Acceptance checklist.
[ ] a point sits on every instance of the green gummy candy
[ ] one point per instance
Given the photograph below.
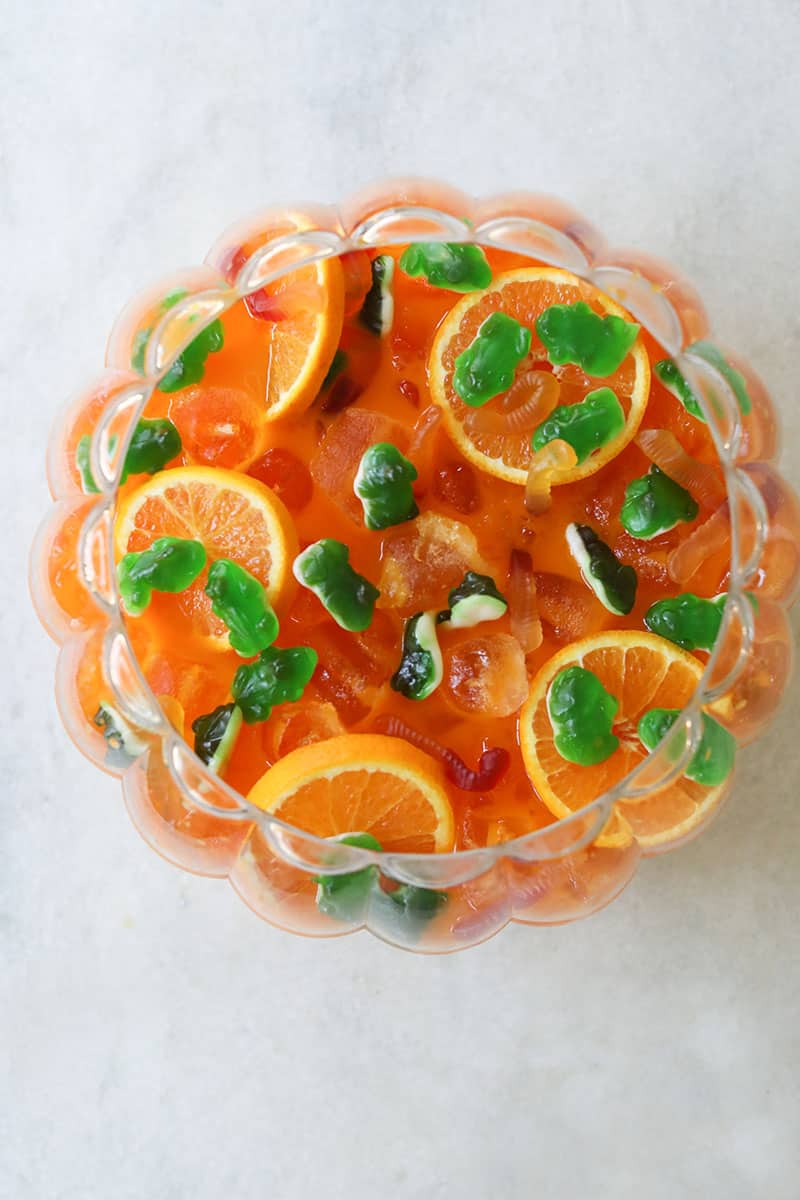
(477, 598)
(421, 669)
(84, 465)
(377, 311)
(345, 897)
(674, 381)
(456, 266)
(486, 368)
(668, 372)
(582, 715)
(405, 911)
(713, 759)
(689, 621)
(189, 367)
(154, 443)
(654, 504)
(276, 677)
(715, 358)
(383, 484)
(593, 422)
(574, 333)
(338, 364)
(614, 583)
(169, 565)
(324, 568)
(215, 735)
(417, 902)
(240, 600)
(123, 743)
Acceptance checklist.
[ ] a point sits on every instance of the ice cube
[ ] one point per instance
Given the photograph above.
(487, 675)
(568, 609)
(294, 725)
(648, 558)
(456, 484)
(423, 559)
(335, 463)
(353, 666)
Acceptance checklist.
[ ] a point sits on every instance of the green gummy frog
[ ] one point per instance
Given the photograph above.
(377, 311)
(689, 621)
(477, 598)
(123, 744)
(421, 668)
(154, 443)
(383, 484)
(612, 582)
(324, 568)
(713, 759)
(582, 714)
(404, 912)
(715, 358)
(171, 564)
(215, 735)
(654, 504)
(189, 367)
(240, 600)
(668, 372)
(338, 364)
(456, 266)
(348, 897)
(83, 461)
(345, 897)
(276, 677)
(486, 368)
(593, 422)
(574, 333)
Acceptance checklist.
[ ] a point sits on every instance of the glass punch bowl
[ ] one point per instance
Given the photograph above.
(187, 813)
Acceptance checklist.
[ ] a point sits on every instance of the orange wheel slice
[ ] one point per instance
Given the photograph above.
(524, 295)
(303, 341)
(642, 671)
(234, 517)
(361, 783)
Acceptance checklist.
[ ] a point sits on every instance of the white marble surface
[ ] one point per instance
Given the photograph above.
(157, 1040)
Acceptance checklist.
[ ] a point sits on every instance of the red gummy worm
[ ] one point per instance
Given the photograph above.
(492, 764)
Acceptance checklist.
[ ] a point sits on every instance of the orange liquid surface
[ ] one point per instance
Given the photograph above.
(350, 688)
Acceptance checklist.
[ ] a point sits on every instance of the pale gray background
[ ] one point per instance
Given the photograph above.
(158, 1041)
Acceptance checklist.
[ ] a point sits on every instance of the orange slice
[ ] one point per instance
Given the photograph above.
(361, 783)
(525, 294)
(643, 671)
(234, 517)
(303, 341)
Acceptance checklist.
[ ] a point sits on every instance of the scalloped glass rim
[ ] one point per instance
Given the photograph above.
(394, 224)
